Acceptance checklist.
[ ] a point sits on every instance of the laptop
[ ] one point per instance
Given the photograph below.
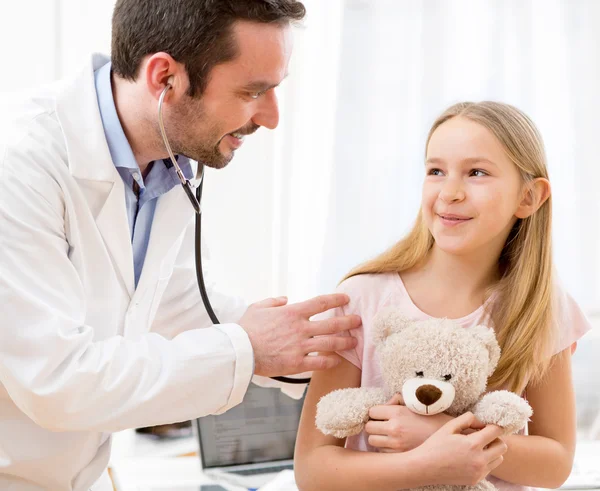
(252, 442)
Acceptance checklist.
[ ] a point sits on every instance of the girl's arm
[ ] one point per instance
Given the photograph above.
(544, 458)
(448, 457)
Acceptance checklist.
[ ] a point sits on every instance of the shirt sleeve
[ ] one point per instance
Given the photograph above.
(572, 323)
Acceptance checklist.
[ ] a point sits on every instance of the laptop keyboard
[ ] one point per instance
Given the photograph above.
(264, 470)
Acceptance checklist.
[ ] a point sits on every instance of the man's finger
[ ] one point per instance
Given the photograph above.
(271, 302)
(322, 303)
(319, 362)
(329, 344)
(335, 325)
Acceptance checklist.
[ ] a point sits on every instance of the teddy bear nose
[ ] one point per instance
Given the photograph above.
(428, 394)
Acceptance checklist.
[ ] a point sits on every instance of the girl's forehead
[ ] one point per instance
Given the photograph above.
(461, 139)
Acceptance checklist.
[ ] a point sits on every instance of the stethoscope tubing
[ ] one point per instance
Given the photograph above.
(195, 201)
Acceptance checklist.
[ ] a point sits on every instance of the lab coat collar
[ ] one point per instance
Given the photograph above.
(78, 114)
(91, 164)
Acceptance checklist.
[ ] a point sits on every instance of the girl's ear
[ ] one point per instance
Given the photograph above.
(535, 194)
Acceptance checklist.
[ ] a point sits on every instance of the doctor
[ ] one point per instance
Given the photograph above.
(102, 326)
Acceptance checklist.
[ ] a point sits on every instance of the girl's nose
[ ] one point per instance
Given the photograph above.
(452, 191)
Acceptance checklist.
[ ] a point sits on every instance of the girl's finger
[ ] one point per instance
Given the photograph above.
(396, 400)
(376, 428)
(384, 412)
(379, 441)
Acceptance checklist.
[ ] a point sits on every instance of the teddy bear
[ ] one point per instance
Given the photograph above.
(437, 366)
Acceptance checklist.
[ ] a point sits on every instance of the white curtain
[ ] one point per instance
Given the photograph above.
(339, 180)
(44, 40)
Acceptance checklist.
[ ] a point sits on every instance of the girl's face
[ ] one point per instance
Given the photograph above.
(472, 190)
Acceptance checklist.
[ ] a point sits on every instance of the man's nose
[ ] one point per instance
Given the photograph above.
(268, 111)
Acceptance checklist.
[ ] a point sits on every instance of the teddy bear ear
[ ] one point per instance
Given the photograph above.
(388, 321)
(488, 338)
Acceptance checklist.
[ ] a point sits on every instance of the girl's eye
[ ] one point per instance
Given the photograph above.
(435, 172)
(478, 173)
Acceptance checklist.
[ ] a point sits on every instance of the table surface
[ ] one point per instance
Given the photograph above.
(139, 461)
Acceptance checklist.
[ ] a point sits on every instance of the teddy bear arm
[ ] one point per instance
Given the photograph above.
(503, 408)
(344, 412)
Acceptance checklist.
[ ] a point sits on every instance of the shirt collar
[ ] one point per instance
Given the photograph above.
(120, 150)
(118, 145)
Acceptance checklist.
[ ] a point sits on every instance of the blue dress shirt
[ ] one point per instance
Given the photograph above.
(161, 178)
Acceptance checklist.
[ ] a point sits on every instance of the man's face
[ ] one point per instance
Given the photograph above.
(239, 98)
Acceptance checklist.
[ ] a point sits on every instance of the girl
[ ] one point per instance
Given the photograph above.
(480, 253)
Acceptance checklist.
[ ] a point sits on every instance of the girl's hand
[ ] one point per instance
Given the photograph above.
(454, 457)
(395, 428)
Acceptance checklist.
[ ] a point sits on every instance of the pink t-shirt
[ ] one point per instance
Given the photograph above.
(371, 292)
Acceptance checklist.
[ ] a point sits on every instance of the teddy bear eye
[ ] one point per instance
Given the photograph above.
(447, 377)
(419, 374)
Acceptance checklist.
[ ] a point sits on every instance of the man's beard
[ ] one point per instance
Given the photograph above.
(209, 156)
(204, 149)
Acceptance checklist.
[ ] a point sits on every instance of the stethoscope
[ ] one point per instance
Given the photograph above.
(195, 200)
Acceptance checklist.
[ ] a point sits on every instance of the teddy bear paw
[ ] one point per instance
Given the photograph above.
(505, 409)
(344, 412)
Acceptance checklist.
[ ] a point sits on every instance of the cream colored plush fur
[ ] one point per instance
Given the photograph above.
(437, 366)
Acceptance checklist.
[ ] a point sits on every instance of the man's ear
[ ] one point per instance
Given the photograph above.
(535, 194)
(161, 69)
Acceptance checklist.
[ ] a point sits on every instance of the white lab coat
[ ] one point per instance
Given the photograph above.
(82, 352)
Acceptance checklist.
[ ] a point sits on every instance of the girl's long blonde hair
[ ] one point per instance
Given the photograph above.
(523, 304)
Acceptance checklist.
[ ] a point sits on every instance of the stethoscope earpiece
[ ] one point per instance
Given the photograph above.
(195, 200)
(184, 182)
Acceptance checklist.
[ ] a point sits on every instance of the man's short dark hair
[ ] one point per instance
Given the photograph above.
(197, 33)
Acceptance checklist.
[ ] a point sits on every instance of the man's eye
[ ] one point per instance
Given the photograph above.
(256, 95)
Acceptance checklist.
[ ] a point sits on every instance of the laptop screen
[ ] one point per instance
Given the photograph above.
(261, 429)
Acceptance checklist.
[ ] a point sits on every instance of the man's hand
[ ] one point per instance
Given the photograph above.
(395, 428)
(282, 335)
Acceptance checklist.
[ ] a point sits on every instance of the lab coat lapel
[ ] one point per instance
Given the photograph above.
(91, 165)
(113, 224)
